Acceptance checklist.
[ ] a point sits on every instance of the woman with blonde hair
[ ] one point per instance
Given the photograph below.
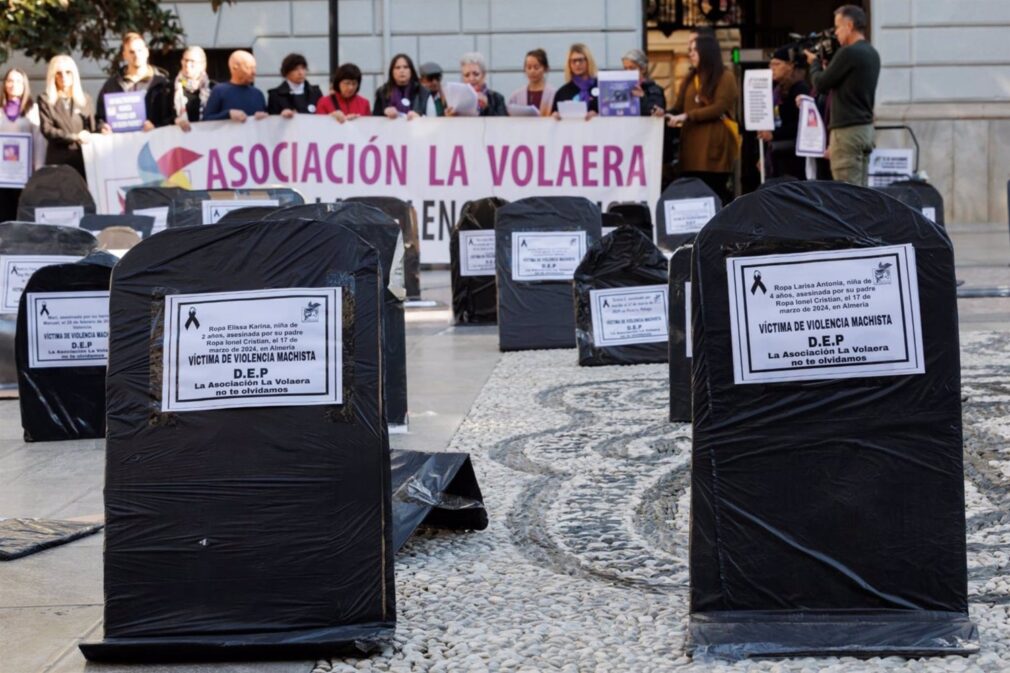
(66, 115)
(580, 80)
(21, 115)
(139, 75)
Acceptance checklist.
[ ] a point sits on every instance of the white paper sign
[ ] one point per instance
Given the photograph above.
(461, 98)
(17, 269)
(68, 216)
(688, 332)
(758, 107)
(890, 165)
(68, 329)
(629, 315)
(476, 253)
(215, 209)
(572, 109)
(160, 215)
(811, 137)
(547, 255)
(688, 216)
(929, 212)
(16, 161)
(258, 348)
(825, 315)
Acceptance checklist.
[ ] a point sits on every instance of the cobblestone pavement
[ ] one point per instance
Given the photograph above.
(584, 565)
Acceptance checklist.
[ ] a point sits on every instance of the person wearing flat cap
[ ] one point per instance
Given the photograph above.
(431, 79)
(788, 65)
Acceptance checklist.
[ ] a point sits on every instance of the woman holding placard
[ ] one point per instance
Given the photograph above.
(23, 145)
(66, 116)
(706, 109)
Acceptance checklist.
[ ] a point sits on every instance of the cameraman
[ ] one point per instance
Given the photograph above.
(851, 79)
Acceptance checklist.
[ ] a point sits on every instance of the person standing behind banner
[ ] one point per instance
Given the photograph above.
(789, 74)
(580, 81)
(20, 115)
(706, 109)
(66, 115)
(344, 103)
(402, 94)
(139, 75)
(489, 103)
(537, 92)
(851, 78)
(192, 88)
(431, 79)
(294, 94)
(237, 98)
(650, 93)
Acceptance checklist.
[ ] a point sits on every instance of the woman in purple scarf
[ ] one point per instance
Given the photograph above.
(402, 95)
(20, 115)
(580, 80)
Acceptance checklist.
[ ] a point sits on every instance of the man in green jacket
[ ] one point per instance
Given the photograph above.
(851, 79)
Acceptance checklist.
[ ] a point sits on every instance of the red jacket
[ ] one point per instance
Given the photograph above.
(357, 105)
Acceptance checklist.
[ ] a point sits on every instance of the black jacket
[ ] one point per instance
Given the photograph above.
(280, 98)
(59, 125)
(654, 97)
(569, 91)
(495, 105)
(418, 102)
(158, 100)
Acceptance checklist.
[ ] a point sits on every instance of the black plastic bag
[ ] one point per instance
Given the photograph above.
(185, 207)
(693, 202)
(609, 222)
(621, 301)
(472, 242)
(635, 215)
(61, 402)
(54, 187)
(535, 307)
(827, 514)
(250, 214)
(245, 533)
(680, 334)
(930, 199)
(403, 213)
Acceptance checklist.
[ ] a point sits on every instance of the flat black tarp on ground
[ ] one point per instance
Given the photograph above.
(245, 533)
(28, 239)
(474, 294)
(185, 206)
(54, 187)
(827, 515)
(672, 235)
(403, 213)
(627, 259)
(62, 402)
(23, 537)
(680, 333)
(539, 313)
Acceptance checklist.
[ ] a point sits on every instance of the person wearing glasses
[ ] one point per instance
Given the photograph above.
(580, 80)
(192, 88)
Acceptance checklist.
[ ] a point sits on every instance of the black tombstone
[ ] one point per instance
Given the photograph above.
(142, 224)
(54, 187)
(403, 213)
(827, 513)
(26, 247)
(621, 301)
(184, 207)
(59, 401)
(471, 255)
(681, 311)
(635, 214)
(929, 196)
(539, 242)
(246, 533)
(681, 212)
(250, 214)
(609, 222)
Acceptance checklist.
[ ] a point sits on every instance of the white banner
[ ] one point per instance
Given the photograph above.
(436, 164)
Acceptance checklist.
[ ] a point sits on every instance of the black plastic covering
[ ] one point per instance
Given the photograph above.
(777, 180)
(250, 214)
(404, 214)
(474, 298)
(635, 215)
(680, 331)
(609, 222)
(827, 516)
(624, 258)
(538, 314)
(28, 238)
(62, 402)
(435, 490)
(185, 206)
(21, 537)
(54, 186)
(245, 533)
(928, 195)
(382, 233)
(142, 224)
(683, 188)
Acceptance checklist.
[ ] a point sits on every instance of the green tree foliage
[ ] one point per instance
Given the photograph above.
(44, 28)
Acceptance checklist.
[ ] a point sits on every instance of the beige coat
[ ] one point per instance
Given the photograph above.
(705, 142)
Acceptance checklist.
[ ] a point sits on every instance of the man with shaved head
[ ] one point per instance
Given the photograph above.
(237, 98)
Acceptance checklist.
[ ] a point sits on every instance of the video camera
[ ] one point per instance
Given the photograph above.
(823, 43)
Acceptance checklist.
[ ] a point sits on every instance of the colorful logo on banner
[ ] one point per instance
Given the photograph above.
(167, 170)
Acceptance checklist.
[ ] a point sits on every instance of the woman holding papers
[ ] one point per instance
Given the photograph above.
(580, 80)
(706, 108)
(66, 115)
(139, 75)
(489, 103)
(402, 95)
(537, 93)
(22, 140)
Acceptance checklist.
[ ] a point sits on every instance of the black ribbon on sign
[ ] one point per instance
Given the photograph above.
(45, 309)
(192, 319)
(758, 284)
